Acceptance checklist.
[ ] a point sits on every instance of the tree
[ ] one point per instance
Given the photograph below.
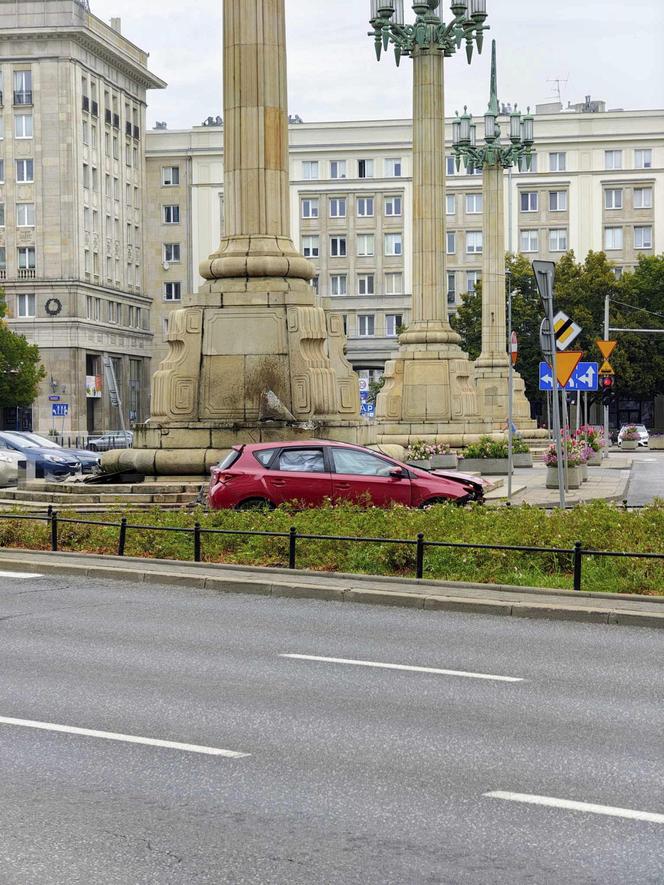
(21, 370)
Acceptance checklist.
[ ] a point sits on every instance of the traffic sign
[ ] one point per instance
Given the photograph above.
(606, 348)
(606, 368)
(54, 399)
(566, 362)
(565, 329)
(514, 348)
(60, 410)
(583, 378)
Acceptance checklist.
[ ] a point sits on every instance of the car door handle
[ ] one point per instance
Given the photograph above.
(342, 485)
(278, 482)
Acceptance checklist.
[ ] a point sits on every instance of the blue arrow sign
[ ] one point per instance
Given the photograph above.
(60, 410)
(584, 377)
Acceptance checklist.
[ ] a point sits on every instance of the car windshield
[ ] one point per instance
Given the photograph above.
(41, 441)
(20, 441)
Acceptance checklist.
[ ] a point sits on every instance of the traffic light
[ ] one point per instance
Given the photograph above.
(608, 394)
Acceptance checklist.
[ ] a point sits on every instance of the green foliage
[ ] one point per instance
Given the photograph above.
(599, 526)
(487, 448)
(375, 388)
(20, 366)
(519, 446)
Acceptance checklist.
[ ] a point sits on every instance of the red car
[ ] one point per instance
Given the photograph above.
(268, 474)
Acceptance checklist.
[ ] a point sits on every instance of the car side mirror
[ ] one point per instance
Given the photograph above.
(397, 473)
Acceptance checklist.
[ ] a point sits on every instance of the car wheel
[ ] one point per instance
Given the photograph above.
(255, 504)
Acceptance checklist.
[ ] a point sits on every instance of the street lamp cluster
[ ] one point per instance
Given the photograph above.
(428, 31)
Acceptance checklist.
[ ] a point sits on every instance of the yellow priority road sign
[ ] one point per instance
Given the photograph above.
(565, 329)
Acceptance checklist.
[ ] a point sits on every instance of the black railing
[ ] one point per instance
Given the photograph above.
(293, 536)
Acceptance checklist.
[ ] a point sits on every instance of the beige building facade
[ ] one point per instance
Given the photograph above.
(597, 183)
(72, 204)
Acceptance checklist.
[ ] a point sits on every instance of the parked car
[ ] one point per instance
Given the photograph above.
(268, 474)
(113, 439)
(89, 460)
(10, 464)
(47, 463)
(640, 429)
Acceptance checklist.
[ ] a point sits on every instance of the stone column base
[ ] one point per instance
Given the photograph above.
(492, 383)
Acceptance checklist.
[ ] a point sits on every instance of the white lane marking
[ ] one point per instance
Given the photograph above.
(126, 738)
(588, 807)
(404, 667)
(22, 576)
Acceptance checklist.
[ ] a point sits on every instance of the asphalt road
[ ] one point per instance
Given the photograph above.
(647, 478)
(352, 773)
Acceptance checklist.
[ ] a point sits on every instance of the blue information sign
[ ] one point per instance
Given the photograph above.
(60, 410)
(584, 377)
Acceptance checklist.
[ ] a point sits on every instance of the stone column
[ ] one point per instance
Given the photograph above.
(494, 327)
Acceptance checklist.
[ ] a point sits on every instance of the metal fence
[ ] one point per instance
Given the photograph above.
(421, 545)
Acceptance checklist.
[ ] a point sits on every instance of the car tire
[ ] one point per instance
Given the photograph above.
(255, 504)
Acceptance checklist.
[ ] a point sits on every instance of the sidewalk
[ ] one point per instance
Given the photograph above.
(518, 602)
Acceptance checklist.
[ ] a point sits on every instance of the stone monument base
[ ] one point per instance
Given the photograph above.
(192, 449)
(492, 385)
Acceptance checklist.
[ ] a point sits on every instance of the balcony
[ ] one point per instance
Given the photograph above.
(26, 273)
(22, 98)
(3, 273)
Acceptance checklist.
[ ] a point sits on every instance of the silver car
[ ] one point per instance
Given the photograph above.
(640, 429)
(9, 467)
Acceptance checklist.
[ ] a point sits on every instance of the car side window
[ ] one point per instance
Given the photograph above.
(302, 460)
(350, 461)
(264, 456)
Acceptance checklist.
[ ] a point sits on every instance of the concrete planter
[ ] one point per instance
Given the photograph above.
(656, 442)
(595, 459)
(573, 475)
(485, 466)
(629, 445)
(445, 462)
(523, 459)
(584, 472)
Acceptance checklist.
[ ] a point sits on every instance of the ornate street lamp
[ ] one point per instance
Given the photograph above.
(429, 381)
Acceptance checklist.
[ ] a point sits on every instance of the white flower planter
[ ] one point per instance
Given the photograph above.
(523, 459)
(595, 459)
(629, 445)
(656, 442)
(584, 472)
(573, 476)
(445, 462)
(485, 466)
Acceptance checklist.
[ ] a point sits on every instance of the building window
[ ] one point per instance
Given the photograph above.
(529, 201)
(643, 198)
(613, 198)
(338, 247)
(393, 323)
(337, 169)
(337, 207)
(450, 166)
(25, 305)
(25, 170)
(558, 201)
(472, 279)
(643, 237)
(613, 160)
(365, 207)
(529, 241)
(25, 214)
(393, 244)
(450, 238)
(643, 159)
(114, 312)
(365, 168)
(557, 161)
(311, 247)
(172, 252)
(365, 284)
(394, 284)
(310, 208)
(392, 168)
(315, 283)
(474, 242)
(450, 204)
(365, 245)
(617, 272)
(171, 214)
(170, 175)
(558, 240)
(26, 258)
(451, 287)
(523, 164)
(613, 238)
(474, 204)
(23, 126)
(2, 214)
(2, 171)
(393, 206)
(172, 291)
(366, 325)
(22, 87)
(310, 170)
(3, 258)
(338, 284)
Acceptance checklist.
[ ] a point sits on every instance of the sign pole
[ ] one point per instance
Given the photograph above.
(606, 408)
(510, 393)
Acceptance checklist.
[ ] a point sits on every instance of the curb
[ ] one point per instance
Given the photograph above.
(343, 588)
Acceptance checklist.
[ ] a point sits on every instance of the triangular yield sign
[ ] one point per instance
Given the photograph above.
(566, 362)
(606, 348)
(607, 368)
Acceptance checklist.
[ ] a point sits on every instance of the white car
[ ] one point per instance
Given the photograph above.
(640, 429)
(9, 465)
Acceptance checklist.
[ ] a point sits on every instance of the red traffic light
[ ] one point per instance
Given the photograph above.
(607, 382)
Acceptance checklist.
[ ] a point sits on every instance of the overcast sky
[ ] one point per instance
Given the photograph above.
(610, 49)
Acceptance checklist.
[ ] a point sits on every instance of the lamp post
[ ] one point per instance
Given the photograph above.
(430, 381)
(501, 391)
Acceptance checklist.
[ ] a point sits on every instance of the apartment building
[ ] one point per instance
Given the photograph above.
(597, 182)
(72, 202)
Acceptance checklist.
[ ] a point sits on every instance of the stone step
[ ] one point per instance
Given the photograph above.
(78, 488)
(66, 500)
